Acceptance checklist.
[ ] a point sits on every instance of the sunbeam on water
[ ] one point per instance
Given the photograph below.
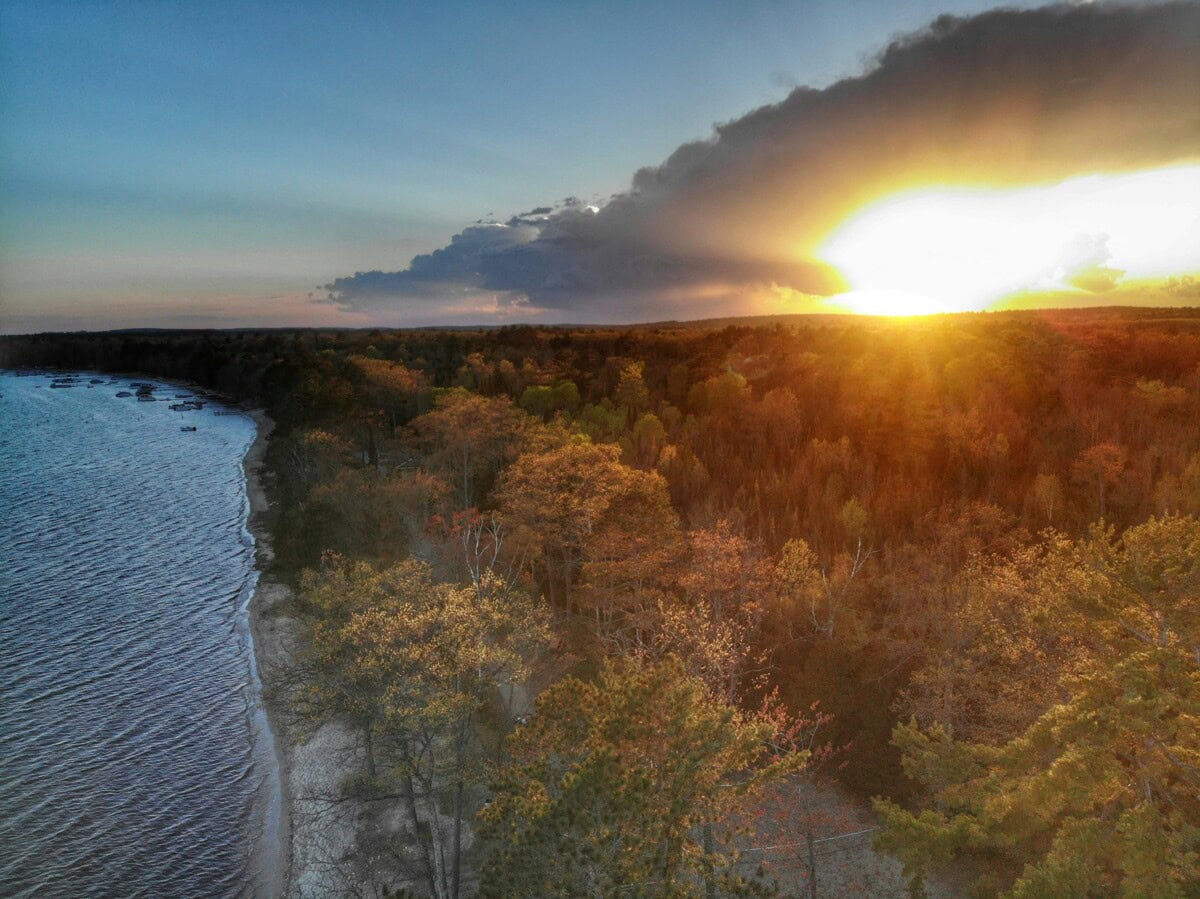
(134, 755)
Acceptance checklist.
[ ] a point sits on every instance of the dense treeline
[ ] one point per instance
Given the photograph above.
(898, 519)
(770, 427)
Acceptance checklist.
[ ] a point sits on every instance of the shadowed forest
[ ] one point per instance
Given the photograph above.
(951, 562)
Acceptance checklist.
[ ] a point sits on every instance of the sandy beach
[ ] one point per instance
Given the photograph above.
(316, 834)
(270, 649)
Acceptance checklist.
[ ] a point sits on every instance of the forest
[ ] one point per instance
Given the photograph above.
(951, 563)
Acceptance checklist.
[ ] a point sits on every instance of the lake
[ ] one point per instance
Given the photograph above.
(135, 757)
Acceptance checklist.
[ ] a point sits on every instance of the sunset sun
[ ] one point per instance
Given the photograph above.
(955, 249)
(466, 449)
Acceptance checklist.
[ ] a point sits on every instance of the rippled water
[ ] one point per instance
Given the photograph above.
(134, 754)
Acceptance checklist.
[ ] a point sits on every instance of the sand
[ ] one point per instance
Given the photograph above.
(269, 649)
(319, 833)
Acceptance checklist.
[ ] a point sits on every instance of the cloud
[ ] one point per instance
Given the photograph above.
(1183, 287)
(454, 269)
(1003, 98)
(1082, 264)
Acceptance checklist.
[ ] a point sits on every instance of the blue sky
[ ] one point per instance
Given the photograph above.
(209, 163)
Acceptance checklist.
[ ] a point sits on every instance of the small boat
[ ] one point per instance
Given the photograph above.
(124, 393)
(187, 427)
(145, 398)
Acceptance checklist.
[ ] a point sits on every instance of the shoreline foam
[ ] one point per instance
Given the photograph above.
(268, 653)
(316, 831)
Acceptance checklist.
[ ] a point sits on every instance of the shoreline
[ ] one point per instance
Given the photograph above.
(272, 642)
(270, 859)
(317, 831)
(269, 647)
(269, 651)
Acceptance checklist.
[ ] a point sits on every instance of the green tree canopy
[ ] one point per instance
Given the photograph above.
(614, 784)
(1100, 795)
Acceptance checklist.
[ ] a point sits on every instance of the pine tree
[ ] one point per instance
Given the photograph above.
(627, 783)
(1100, 795)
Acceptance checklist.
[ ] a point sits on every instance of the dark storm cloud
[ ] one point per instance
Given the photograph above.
(459, 265)
(1006, 97)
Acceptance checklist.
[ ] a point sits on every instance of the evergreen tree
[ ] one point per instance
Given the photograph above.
(1100, 795)
(628, 783)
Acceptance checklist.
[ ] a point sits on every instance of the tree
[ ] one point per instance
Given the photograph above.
(390, 386)
(335, 685)
(714, 624)
(1101, 793)
(472, 543)
(726, 574)
(626, 560)
(1047, 496)
(1099, 469)
(467, 438)
(631, 393)
(612, 783)
(456, 646)
(997, 663)
(413, 663)
(813, 601)
(678, 381)
(602, 422)
(554, 501)
(646, 440)
(542, 402)
(686, 474)
(723, 395)
(370, 513)
(310, 457)
(1180, 494)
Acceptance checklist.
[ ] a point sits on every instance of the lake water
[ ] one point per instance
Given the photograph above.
(135, 758)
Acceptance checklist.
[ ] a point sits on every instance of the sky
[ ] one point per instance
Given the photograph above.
(357, 164)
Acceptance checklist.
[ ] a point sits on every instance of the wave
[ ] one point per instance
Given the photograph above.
(130, 761)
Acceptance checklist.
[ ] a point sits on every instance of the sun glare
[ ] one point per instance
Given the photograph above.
(953, 250)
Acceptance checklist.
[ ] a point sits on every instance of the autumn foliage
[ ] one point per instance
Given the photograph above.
(971, 538)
